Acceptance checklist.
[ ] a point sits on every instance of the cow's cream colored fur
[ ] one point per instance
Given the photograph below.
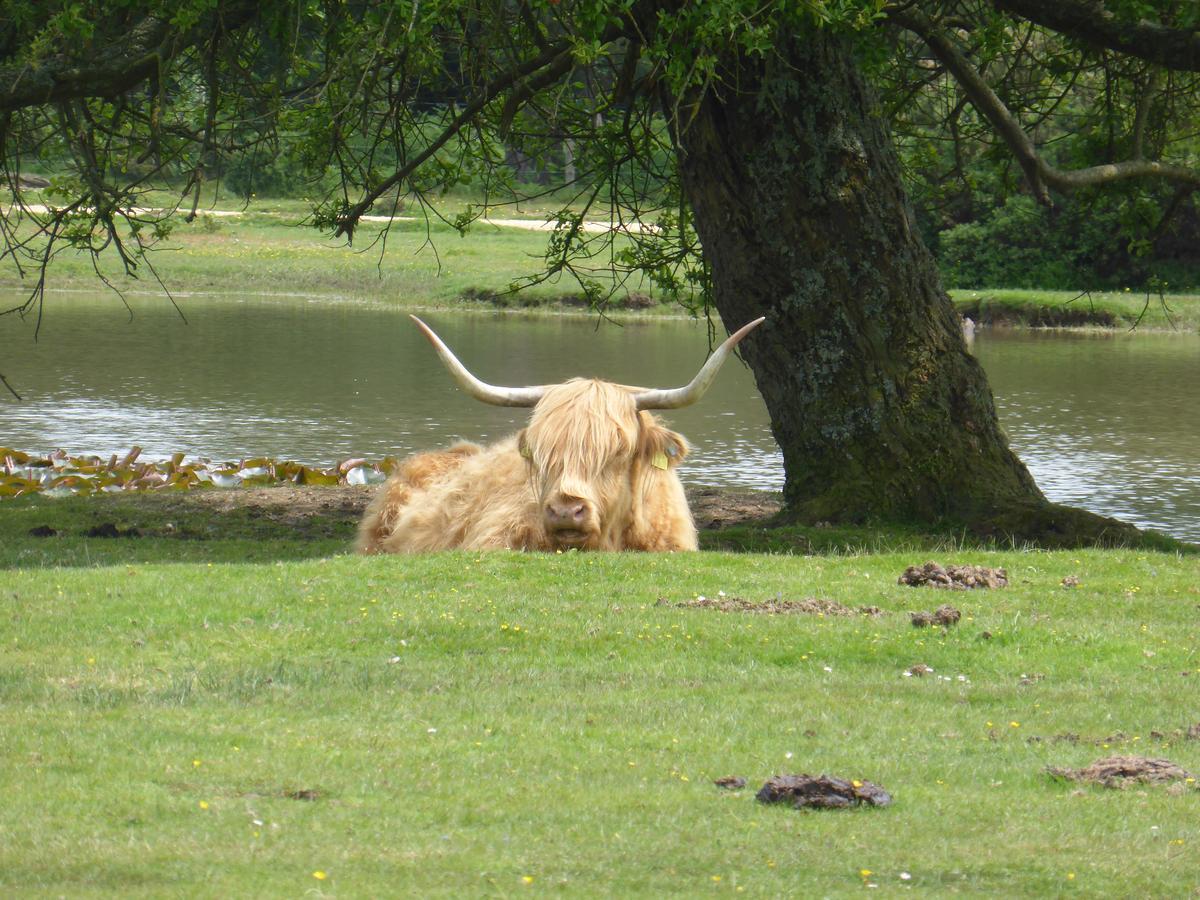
(585, 440)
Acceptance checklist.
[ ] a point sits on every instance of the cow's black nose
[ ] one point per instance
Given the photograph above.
(566, 512)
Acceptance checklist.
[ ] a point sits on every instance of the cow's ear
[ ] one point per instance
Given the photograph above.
(523, 445)
(661, 447)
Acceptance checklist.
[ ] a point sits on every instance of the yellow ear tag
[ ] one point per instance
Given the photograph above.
(525, 451)
(659, 460)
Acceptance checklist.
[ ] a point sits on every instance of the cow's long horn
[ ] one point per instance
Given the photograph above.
(488, 393)
(685, 396)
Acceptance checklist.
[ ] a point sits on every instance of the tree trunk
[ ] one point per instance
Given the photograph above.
(878, 407)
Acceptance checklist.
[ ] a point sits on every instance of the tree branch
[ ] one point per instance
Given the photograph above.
(111, 70)
(1038, 172)
(1093, 22)
(554, 61)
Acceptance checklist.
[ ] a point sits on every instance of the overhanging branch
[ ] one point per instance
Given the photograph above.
(1093, 22)
(1038, 172)
(524, 80)
(111, 70)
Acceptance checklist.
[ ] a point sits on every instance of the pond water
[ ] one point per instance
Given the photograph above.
(1107, 422)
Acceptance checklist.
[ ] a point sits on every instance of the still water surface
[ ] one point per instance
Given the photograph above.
(1106, 422)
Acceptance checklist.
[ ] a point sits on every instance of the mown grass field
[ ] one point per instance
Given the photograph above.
(266, 250)
(231, 705)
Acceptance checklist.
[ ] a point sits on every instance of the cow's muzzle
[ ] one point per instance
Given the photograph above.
(569, 521)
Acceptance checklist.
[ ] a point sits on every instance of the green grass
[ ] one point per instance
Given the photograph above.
(268, 251)
(226, 707)
(1118, 309)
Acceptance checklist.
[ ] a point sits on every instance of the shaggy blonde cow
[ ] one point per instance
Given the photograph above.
(593, 469)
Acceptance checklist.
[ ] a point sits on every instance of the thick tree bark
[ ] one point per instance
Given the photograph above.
(878, 407)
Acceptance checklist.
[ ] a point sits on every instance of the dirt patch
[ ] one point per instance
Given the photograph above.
(1117, 738)
(291, 505)
(1123, 771)
(1191, 733)
(822, 792)
(306, 794)
(944, 616)
(812, 606)
(731, 783)
(715, 508)
(288, 504)
(953, 577)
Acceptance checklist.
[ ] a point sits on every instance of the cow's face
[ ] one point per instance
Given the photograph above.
(589, 452)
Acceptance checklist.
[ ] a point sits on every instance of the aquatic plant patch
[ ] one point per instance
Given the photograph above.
(61, 474)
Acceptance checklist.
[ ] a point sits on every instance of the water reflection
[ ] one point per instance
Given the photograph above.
(1108, 423)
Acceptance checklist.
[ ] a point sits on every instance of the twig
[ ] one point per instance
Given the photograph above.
(11, 390)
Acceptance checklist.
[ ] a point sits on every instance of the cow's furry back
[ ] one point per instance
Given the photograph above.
(413, 477)
(465, 497)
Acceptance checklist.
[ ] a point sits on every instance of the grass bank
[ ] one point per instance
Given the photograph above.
(264, 249)
(226, 703)
(1073, 309)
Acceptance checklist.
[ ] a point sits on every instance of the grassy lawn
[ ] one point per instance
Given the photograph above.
(223, 706)
(266, 250)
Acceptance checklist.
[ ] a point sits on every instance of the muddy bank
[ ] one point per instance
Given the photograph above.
(295, 505)
(992, 312)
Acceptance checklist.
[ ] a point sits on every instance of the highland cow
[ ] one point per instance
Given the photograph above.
(593, 470)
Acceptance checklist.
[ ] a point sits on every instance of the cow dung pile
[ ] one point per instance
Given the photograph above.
(958, 578)
(813, 606)
(1123, 771)
(822, 792)
(944, 615)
